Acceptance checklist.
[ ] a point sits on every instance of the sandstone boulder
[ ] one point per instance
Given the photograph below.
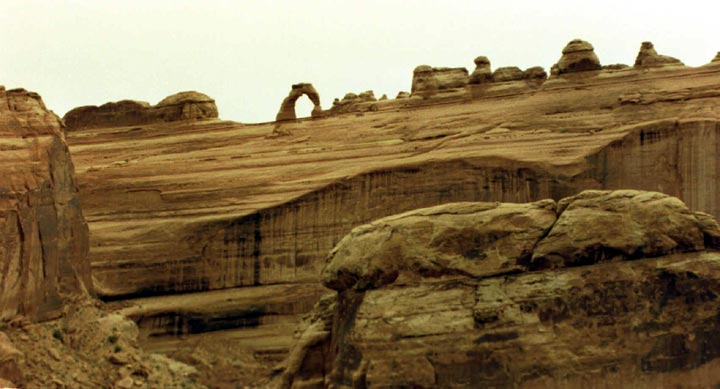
(186, 106)
(287, 108)
(535, 73)
(11, 360)
(402, 95)
(507, 73)
(717, 57)
(428, 80)
(652, 322)
(600, 226)
(482, 72)
(472, 239)
(648, 57)
(578, 56)
(181, 106)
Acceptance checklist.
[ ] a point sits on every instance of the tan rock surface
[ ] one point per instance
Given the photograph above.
(644, 323)
(428, 81)
(648, 57)
(507, 73)
(211, 205)
(471, 239)
(599, 226)
(181, 106)
(43, 235)
(287, 108)
(11, 360)
(578, 56)
(482, 72)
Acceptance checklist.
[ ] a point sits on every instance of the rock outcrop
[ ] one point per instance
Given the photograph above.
(535, 73)
(428, 80)
(287, 108)
(407, 313)
(43, 235)
(482, 72)
(177, 107)
(648, 57)
(507, 73)
(578, 56)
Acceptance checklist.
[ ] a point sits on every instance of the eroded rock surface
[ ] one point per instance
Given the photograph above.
(287, 108)
(181, 106)
(212, 207)
(578, 56)
(43, 235)
(507, 73)
(428, 80)
(648, 57)
(482, 72)
(648, 322)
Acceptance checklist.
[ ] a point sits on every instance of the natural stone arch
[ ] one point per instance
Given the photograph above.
(287, 109)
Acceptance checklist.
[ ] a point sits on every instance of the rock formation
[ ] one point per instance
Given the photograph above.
(717, 57)
(648, 57)
(441, 297)
(43, 235)
(428, 80)
(535, 73)
(287, 109)
(578, 56)
(482, 72)
(177, 107)
(240, 222)
(507, 73)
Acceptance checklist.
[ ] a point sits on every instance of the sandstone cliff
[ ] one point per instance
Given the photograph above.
(43, 235)
(236, 214)
(443, 297)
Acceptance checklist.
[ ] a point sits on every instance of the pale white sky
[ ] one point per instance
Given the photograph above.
(246, 54)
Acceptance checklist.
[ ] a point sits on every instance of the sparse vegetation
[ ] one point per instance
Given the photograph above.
(57, 334)
(112, 339)
(117, 349)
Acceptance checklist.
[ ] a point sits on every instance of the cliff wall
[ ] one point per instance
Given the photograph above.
(44, 237)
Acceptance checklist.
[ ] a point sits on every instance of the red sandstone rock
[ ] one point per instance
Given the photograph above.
(43, 235)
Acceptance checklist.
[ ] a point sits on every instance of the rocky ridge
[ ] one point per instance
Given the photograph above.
(178, 107)
(445, 297)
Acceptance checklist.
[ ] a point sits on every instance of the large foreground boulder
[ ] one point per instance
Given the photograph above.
(442, 297)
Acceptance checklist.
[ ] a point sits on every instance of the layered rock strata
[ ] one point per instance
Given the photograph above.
(577, 56)
(229, 208)
(428, 80)
(428, 307)
(43, 235)
(177, 107)
(482, 72)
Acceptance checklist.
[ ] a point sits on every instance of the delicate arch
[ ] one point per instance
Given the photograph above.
(287, 109)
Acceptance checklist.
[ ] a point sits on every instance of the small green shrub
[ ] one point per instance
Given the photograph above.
(57, 334)
(112, 339)
(118, 348)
